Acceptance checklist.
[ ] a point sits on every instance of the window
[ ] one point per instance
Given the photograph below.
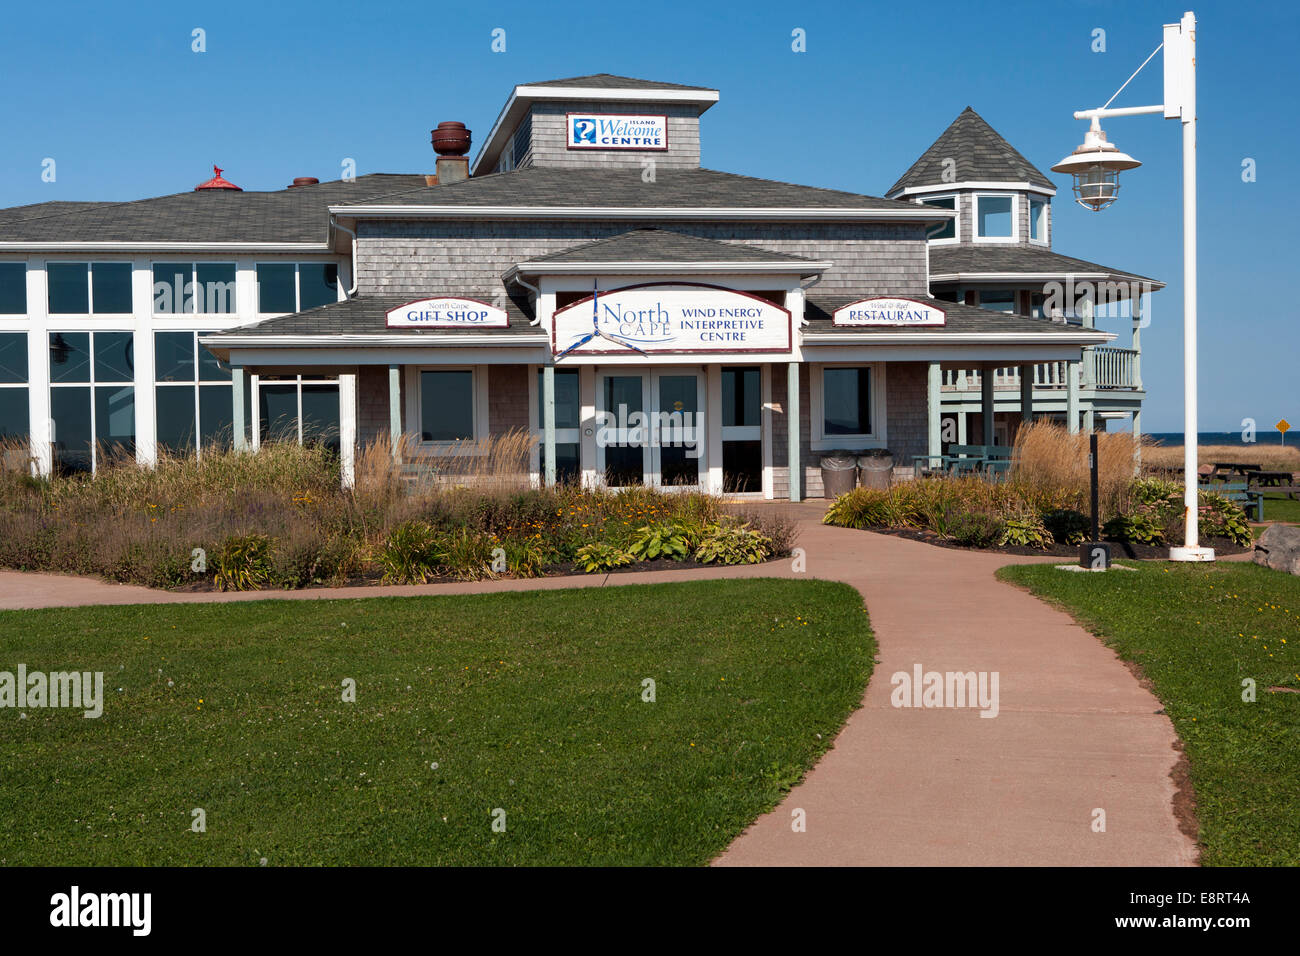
(13, 288)
(446, 404)
(947, 230)
(192, 399)
(742, 445)
(92, 397)
(846, 401)
(998, 300)
(995, 217)
(89, 288)
(294, 287)
(294, 408)
(1038, 220)
(186, 288)
(847, 406)
(13, 385)
(568, 415)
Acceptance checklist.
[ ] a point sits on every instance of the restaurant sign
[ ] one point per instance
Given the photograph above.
(670, 319)
(447, 312)
(617, 131)
(881, 311)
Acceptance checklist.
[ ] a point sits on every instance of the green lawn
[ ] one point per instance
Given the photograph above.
(1278, 507)
(529, 702)
(1198, 631)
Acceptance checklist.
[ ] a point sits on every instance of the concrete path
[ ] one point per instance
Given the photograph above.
(1075, 731)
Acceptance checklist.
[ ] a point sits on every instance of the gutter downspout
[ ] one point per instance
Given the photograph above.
(349, 293)
(537, 294)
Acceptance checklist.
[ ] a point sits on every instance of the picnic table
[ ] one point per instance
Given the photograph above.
(1228, 470)
(966, 460)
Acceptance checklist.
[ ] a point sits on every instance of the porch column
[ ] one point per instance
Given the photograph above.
(792, 422)
(1026, 394)
(1137, 440)
(548, 425)
(237, 406)
(1088, 419)
(395, 410)
(986, 402)
(1137, 342)
(1072, 396)
(348, 428)
(933, 401)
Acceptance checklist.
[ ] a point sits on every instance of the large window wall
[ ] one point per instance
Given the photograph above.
(92, 397)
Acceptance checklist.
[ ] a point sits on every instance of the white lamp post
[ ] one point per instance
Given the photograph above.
(1096, 166)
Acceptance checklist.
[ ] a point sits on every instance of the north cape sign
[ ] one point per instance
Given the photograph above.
(447, 312)
(672, 319)
(882, 311)
(616, 131)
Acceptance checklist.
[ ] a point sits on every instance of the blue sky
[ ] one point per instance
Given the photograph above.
(116, 96)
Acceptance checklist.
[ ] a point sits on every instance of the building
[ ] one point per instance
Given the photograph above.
(649, 320)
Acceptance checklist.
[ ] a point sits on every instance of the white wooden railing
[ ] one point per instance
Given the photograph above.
(1102, 368)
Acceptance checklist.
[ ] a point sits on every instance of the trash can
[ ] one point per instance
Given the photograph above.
(876, 468)
(839, 473)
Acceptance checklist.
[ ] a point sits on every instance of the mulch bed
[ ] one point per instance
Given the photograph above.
(1118, 549)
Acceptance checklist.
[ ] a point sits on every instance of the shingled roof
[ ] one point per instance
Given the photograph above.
(979, 153)
(1033, 260)
(663, 245)
(217, 215)
(365, 315)
(624, 188)
(608, 81)
(960, 319)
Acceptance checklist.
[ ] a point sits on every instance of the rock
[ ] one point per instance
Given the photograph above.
(1279, 548)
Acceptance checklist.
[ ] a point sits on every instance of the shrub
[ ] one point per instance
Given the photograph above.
(1140, 527)
(1222, 518)
(310, 558)
(778, 528)
(1067, 525)
(860, 508)
(466, 555)
(525, 559)
(243, 563)
(1153, 490)
(671, 541)
(411, 554)
(975, 529)
(599, 557)
(732, 544)
(1024, 531)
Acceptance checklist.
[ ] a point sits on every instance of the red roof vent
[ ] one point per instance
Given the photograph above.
(304, 181)
(216, 182)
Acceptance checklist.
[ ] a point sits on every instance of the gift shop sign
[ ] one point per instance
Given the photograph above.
(882, 311)
(616, 131)
(447, 312)
(674, 319)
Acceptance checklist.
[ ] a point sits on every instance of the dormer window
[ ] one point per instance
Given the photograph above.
(946, 230)
(1038, 220)
(995, 217)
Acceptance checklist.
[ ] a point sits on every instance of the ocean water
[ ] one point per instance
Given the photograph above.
(1175, 439)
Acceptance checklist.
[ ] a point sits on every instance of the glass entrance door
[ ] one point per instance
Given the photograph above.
(651, 428)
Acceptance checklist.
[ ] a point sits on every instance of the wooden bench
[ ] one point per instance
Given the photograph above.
(966, 460)
(1241, 493)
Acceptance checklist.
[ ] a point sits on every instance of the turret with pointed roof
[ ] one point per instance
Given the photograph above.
(969, 151)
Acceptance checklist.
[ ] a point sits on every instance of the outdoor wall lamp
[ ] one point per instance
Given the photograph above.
(1096, 166)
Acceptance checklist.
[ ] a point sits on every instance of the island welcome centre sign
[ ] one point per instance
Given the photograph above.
(617, 131)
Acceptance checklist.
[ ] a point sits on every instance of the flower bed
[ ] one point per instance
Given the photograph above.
(279, 519)
(1017, 517)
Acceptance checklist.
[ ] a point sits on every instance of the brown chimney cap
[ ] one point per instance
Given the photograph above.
(450, 139)
(304, 181)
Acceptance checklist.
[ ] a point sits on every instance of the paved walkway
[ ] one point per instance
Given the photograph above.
(1075, 731)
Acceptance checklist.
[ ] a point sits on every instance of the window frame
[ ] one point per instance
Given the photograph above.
(1015, 216)
(297, 283)
(479, 407)
(90, 290)
(1043, 238)
(92, 384)
(257, 382)
(878, 438)
(924, 200)
(27, 304)
(197, 384)
(193, 279)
